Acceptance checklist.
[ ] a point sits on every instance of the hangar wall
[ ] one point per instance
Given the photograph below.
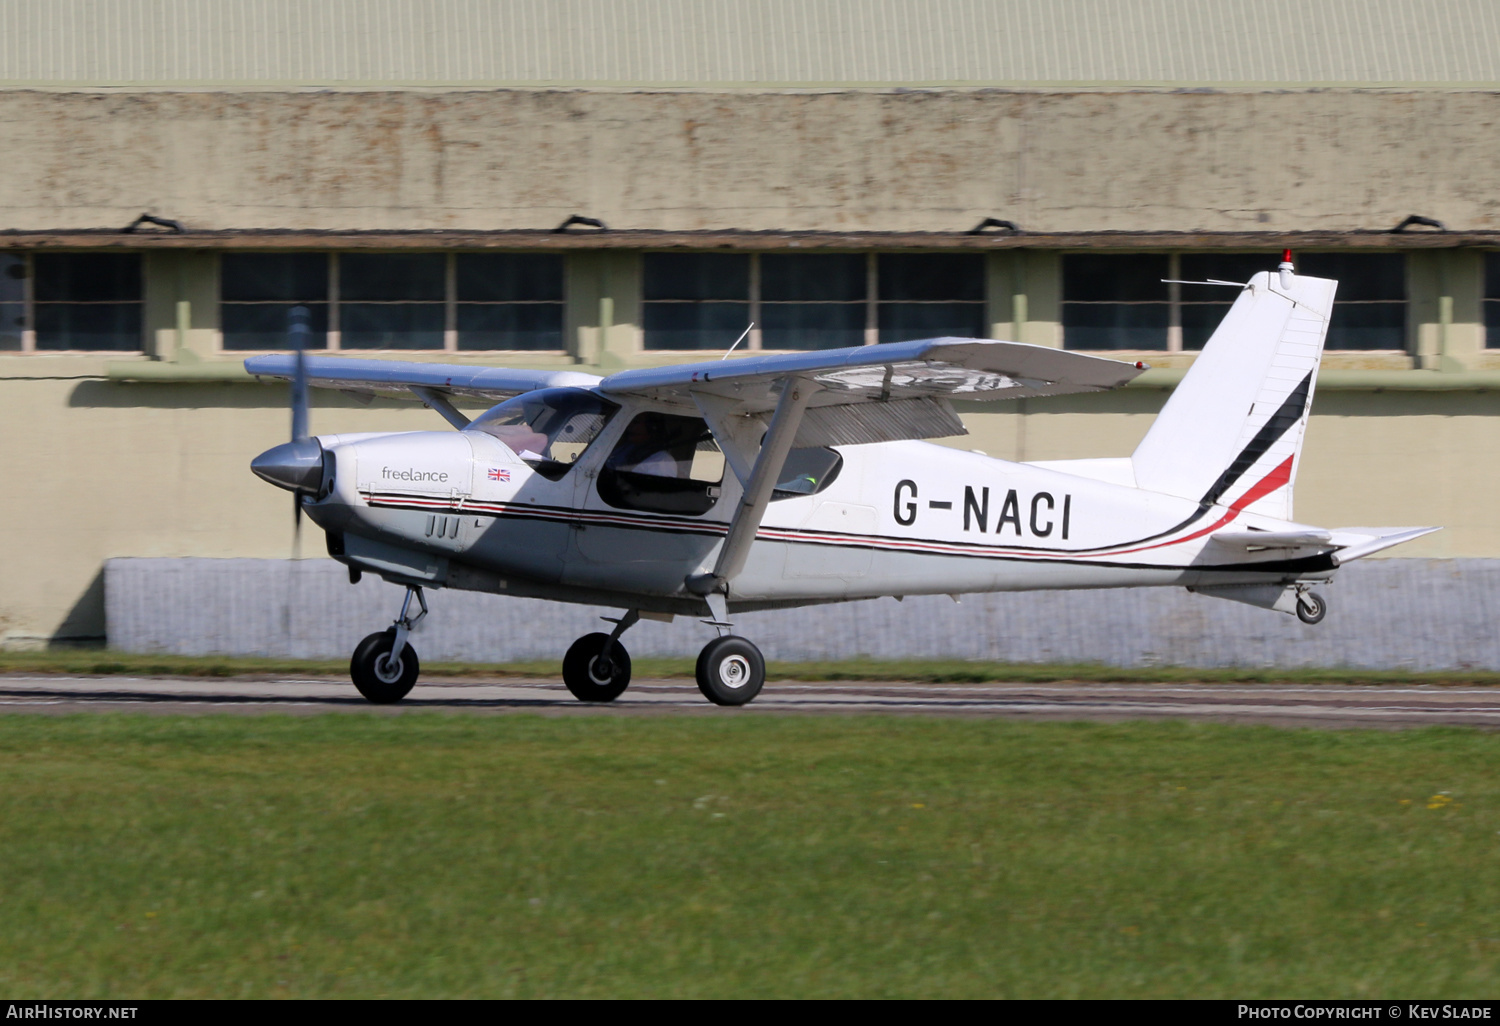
(825, 160)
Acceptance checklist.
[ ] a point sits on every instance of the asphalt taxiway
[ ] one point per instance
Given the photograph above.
(1306, 705)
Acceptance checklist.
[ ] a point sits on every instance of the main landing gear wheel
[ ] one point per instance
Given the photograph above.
(1311, 607)
(731, 671)
(592, 679)
(379, 676)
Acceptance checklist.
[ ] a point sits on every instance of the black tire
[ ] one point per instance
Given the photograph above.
(731, 671)
(373, 674)
(1311, 608)
(582, 673)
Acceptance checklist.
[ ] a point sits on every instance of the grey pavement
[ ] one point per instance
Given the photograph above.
(1317, 705)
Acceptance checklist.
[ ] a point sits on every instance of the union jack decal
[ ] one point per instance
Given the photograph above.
(496, 474)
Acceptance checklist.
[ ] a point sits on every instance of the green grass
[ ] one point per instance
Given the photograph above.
(934, 671)
(731, 855)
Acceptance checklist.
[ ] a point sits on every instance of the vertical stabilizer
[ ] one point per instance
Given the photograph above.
(1231, 434)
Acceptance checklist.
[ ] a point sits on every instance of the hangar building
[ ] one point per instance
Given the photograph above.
(617, 183)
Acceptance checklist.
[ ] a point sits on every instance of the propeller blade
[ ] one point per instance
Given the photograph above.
(296, 525)
(298, 333)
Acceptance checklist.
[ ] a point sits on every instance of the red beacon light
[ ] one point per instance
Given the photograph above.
(1286, 269)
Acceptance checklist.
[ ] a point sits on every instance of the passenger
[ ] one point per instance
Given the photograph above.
(644, 449)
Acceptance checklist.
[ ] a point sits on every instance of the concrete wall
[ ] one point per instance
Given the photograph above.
(919, 160)
(1388, 614)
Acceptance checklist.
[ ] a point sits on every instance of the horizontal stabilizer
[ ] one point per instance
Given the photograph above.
(1358, 542)
(1250, 541)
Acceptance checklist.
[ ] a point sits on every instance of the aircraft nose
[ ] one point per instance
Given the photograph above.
(295, 466)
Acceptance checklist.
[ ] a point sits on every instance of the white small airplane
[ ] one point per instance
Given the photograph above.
(772, 481)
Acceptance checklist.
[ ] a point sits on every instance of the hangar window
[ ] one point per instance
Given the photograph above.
(381, 301)
(1115, 301)
(694, 300)
(258, 291)
(1140, 301)
(1492, 300)
(803, 301)
(13, 335)
(509, 300)
(86, 301)
(392, 300)
(813, 300)
(929, 295)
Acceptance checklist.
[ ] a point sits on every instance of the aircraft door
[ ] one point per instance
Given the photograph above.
(653, 508)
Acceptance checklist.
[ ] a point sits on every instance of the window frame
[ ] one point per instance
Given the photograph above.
(1175, 302)
(29, 305)
(450, 304)
(1489, 341)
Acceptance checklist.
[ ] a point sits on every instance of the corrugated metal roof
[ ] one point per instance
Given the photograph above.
(748, 43)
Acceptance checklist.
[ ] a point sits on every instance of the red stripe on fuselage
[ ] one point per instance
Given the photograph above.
(1277, 478)
(1268, 484)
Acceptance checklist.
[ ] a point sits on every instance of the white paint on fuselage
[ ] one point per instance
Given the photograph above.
(901, 518)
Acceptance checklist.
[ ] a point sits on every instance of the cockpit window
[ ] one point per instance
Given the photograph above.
(807, 472)
(664, 463)
(550, 428)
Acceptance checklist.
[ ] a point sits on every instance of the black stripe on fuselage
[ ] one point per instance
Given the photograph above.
(1279, 423)
(889, 543)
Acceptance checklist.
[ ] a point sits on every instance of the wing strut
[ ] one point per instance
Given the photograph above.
(795, 393)
(716, 411)
(435, 400)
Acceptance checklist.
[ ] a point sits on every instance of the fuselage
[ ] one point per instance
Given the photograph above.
(465, 510)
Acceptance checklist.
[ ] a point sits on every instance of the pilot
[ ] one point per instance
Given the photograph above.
(644, 449)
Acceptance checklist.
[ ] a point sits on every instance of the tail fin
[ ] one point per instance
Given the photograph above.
(1232, 431)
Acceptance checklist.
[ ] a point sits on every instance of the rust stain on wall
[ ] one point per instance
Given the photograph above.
(921, 161)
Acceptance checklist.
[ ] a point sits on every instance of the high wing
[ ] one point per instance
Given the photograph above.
(435, 384)
(761, 407)
(878, 393)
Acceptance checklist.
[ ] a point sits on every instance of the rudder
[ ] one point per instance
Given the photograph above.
(1231, 433)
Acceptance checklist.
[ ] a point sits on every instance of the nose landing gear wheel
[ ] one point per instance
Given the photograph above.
(592, 679)
(1311, 607)
(380, 677)
(731, 671)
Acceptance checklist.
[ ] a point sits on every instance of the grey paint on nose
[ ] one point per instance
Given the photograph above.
(295, 466)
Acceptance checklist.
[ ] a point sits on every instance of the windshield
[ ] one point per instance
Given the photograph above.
(549, 428)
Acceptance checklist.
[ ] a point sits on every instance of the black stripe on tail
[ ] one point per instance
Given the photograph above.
(1280, 423)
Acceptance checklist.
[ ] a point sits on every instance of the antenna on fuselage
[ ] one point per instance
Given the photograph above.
(743, 335)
